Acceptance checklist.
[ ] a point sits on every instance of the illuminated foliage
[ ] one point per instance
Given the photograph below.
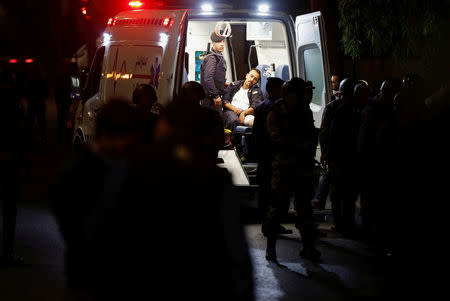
(401, 29)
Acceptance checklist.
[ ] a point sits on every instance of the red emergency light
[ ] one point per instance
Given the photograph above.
(13, 61)
(29, 61)
(84, 10)
(136, 4)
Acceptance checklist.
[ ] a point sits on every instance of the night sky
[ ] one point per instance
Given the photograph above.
(52, 30)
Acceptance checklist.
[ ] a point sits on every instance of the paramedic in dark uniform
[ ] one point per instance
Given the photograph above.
(213, 72)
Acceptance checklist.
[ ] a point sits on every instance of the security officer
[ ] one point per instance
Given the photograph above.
(293, 138)
(212, 73)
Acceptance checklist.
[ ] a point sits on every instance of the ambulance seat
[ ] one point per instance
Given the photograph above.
(282, 71)
(246, 142)
(263, 81)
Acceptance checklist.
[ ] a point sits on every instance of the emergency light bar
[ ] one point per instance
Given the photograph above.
(13, 61)
(165, 22)
(135, 4)
(29, 61)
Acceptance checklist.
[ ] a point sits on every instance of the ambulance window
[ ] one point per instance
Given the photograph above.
(95, 73)
(314, 72)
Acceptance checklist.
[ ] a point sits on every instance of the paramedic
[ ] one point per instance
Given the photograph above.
(212, 73)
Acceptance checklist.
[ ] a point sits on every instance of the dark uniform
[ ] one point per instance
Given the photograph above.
(293, 138)
(254, 94)
(213, 77)
(343, 156)
(327, 118)
(264, 153)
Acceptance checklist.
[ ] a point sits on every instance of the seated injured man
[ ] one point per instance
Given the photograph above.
(239, 102)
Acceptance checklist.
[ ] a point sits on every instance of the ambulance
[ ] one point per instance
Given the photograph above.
(163, 46)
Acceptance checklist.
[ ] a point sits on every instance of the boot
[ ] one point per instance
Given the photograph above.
(310, 253)
(271, 250)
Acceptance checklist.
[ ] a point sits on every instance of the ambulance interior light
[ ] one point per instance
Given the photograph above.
(207, 7)
(263, 8)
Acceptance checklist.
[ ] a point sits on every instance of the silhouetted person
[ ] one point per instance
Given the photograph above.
(412, 151)
(343, 160)
(293, 138)
(148, 109)
(323, 188)
(192, 92)
(185, 190)
(374, 147)
(63, 101)
(191, 95)
(36, 92)
(328, 175)
(11, 158)
(263, 146)
(90, 218)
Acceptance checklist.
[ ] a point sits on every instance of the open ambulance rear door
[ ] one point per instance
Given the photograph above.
(312, 58)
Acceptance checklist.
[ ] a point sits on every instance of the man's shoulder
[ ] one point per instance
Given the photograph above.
(210, 56)
(255, 89)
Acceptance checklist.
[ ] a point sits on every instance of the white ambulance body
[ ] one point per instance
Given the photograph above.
(164, 47)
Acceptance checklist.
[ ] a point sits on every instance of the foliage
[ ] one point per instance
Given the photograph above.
(401, 29)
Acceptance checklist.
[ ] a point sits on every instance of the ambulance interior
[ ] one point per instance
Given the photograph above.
(251, 44)
(257, 44)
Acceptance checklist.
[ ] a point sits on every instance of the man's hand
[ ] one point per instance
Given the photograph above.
(218, 102)
(237, 111)
(241, 117)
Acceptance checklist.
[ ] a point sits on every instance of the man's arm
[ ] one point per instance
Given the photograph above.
(230, 107)
(249, 111)
(209, 68)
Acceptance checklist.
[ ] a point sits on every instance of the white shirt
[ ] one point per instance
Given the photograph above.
(240, 99)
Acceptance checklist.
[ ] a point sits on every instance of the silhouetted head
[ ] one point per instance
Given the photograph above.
(346, 87)
(192, 92)
(144, 95)
(294, 92)
(412, 80)
(274, 87)
(116, 128)
(361, 94)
